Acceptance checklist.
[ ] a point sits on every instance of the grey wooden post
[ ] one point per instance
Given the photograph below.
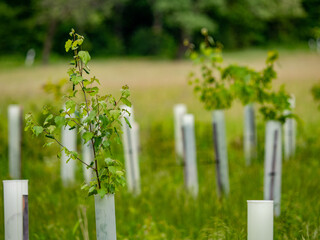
(105, 217)
(249, 134)
(179, 110)
(221, 155)
(190, 156)
(273, 164)
(131, 154)
(15, 138)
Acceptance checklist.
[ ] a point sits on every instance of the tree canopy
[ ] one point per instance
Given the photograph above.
(153, 27)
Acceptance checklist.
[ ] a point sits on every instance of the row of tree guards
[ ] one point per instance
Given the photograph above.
(185, 146)
(186, 150)
(16, 215)
(16, 191)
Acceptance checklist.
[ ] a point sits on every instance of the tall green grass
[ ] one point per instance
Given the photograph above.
(164, 210)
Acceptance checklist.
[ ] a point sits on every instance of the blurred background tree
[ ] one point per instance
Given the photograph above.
(153, 27)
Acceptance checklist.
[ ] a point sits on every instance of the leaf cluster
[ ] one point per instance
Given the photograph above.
(96, 117)
(217, 86)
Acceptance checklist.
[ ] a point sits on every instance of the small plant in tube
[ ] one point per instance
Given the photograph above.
(97, 118)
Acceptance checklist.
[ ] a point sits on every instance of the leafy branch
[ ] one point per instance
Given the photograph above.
(96, 116)
(218, 86)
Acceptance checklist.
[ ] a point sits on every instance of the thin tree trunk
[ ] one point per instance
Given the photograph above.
(157, 23)
(49, 40)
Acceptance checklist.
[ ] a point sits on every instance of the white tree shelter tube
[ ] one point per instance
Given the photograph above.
(290, 131)
(273, 164)
(105, 217)
(131, 154)
(15, 138)
(179, 110)
(260, 220)
(250, 134)
(190, 159)
(16, 219)
(136, 133)
(69, 140)
(88, 157)
(221, 155)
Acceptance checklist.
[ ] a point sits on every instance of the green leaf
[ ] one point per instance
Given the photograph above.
(86, 82)
(76, 44)
(87, 136)
(68, 45)
(76, 79)
(92, 190)
(48, 144)
(94, 79)
(84, 186)
(60, 121)
(84, 56)
(127, 121)
(51, 128)
(76, 226)
(71, 32)
(108, 161)
(119, 173)
(86, 70)
(46, 121)
(91, 116)
(125, 91)
(49, 136)
(37, 130)
(102, 192)
(115, 113)
(126, 102)
(112, 169)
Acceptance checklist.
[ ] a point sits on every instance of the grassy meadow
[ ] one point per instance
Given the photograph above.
(164, 210)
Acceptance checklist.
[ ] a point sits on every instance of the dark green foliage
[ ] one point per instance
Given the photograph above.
(146, 42)
(153, 27)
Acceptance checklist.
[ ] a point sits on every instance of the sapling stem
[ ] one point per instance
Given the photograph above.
(90, 128)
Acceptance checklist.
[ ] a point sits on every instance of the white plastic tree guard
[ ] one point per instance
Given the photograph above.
(190, 160)
(250, 134)
(69, 140)
(88, 157)
(131, 153)
(31, 54)
(16, 220)
(136, 134)
(221, 155)
(15, 136)
(105, 217)
(273, 164)
(290, 129)
(260, 220)
(179, 110)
